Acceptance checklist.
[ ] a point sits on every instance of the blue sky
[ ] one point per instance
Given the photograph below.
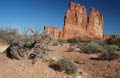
(37, 13)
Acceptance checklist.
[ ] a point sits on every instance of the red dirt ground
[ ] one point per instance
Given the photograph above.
(96, 68)
(90, 67)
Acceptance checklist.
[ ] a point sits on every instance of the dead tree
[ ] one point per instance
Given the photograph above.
(38, 47)
(14, 52)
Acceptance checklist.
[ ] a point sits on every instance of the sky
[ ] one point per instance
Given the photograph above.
(38, 13)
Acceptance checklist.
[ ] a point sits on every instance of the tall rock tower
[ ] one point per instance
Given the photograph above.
(78, 24)
(95, 24)
(75, 21)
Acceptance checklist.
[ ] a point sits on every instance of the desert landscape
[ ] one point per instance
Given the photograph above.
(78, 50)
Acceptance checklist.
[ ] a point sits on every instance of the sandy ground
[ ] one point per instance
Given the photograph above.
(96, 68)
(89, 67)
(24, 69)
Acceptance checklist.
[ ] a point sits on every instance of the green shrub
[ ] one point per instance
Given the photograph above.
(109, 56)
(75, 40)
(108, 48)
(113, 41)
(114, 47)
(29, 44)
(67, 65)
(26, 42)
(70, 49)
(71, 41)
(9, 37)
(93, 47)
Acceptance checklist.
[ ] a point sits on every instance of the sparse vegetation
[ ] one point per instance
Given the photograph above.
(27, 45)
(114, 46)
(71, 49)
(33, 54)
(35, 46)
(64, 64)
(8, 35)
(55, 66)
(113, 41)
(75, 40)
(108, 48)
(67, 65)
(109, 56)
(93, 47)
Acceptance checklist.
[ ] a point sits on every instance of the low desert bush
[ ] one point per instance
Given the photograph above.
(109, 56)
(67, 65)
(70, 49)
(93, 47)
(114, 47)
(29, 44)
(8, 36)
(113, 41)
(26, 43)
(109, 48)
(71, 41)
(64, 64)
(75, 40)
(55, 66)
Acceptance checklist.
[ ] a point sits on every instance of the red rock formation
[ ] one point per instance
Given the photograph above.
(95, 24)
(75, 21)
(56, 33)
(78, 24)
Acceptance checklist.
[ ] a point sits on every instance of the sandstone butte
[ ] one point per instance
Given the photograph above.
(78, 24)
